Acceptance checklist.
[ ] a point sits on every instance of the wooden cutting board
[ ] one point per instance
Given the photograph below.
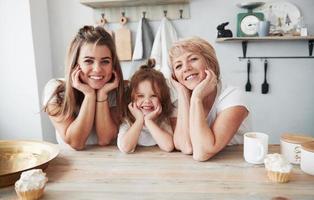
(123, 43)
(123, 40)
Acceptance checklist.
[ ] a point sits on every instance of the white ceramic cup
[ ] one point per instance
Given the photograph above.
(307, 162)
(307, 158)
(255, 147)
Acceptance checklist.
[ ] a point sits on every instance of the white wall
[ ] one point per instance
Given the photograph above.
(19, 107)
(287, 107)
(29, 59)
(25, 69)
(42, 53)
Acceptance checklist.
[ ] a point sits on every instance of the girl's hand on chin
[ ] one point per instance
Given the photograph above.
(206, 86)
(78, 84)
(135, 111)
(154, 114)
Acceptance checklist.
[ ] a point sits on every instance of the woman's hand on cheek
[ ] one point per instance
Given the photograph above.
(206, 86)
(135, 111)
(109, 86)
(78, 84)
(178, 86)
(154, 114)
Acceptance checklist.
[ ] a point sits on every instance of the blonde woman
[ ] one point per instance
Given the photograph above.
(210, 115)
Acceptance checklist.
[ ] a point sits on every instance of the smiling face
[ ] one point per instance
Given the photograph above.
(189, 69)
(96, 64)
(145, 97)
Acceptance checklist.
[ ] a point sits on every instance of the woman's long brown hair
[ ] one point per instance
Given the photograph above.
(69, 99)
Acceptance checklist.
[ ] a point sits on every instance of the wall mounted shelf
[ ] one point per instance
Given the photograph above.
(126, 3)
(245, 40)
(134, 9)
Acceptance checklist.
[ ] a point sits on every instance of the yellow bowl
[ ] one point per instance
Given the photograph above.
(17, 156)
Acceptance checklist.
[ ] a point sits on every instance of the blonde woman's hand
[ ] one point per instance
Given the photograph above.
(78, 84)
(206, 86)
(154, 114)
(102, 93)
(135, 111)
(179, 87)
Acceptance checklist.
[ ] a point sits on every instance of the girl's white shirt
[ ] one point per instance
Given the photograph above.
(145, 138)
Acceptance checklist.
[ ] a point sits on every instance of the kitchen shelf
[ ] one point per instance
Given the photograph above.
(134, 10)
(125, 3)
(245, 40)
(270, 38)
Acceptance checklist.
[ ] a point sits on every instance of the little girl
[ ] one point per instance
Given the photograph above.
(147, 115)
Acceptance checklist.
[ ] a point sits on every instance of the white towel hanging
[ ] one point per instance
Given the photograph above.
(138, 48)
(144, 40)
(165, 36)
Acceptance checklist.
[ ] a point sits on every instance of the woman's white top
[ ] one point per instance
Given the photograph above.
(228, 96)
(48, 92)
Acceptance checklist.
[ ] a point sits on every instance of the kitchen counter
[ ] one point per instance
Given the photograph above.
(149, 173)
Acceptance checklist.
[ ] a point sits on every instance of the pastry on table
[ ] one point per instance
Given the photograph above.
(278, 168)
(31, 184)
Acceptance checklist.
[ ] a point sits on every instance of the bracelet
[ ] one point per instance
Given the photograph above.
(99, 101)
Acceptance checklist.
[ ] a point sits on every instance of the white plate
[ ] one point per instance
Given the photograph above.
(17, 156)
(283, 16)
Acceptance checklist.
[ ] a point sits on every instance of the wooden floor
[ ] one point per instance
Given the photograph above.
(106, 173)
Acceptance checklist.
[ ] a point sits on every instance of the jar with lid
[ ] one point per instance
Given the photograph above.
(290, 146)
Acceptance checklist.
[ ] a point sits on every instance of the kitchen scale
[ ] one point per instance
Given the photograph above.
(247, 22)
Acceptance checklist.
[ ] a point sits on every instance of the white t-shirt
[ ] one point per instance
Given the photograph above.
(145, 138)
(228, 96)
(48, 92)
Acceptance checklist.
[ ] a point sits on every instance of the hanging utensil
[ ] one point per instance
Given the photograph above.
(248, 84)
(265, 85)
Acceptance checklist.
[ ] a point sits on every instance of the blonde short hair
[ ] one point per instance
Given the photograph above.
(195, 45)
